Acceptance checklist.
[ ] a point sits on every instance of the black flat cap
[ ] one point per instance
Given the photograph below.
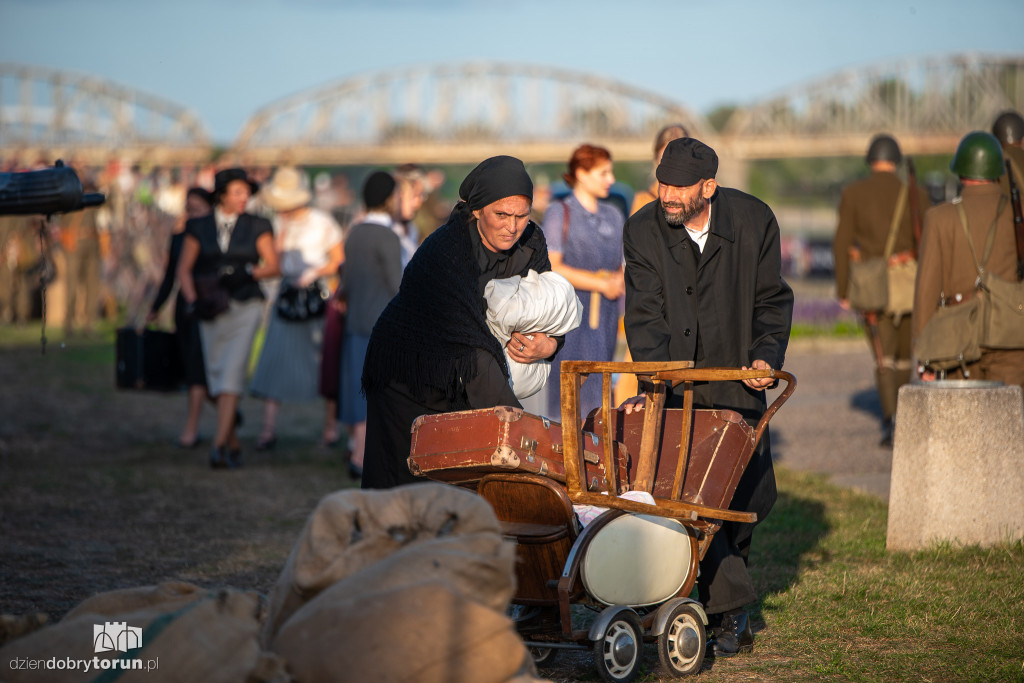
(686, 162)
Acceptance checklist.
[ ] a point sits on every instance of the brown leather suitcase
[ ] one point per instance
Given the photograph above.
(720, 448)
(463, 447)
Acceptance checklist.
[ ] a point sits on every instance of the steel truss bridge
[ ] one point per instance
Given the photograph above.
(461, 113)
(51, 114)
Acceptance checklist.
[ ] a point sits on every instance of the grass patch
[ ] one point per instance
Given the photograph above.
(841, 329)
(836, 604)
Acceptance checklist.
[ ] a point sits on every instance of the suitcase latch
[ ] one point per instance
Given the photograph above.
(528, 444)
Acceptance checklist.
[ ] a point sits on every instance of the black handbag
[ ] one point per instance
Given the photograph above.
(212, 298)
(296, 304)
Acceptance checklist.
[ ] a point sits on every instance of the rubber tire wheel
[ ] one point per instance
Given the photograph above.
(683, 643)
(619, 669)
(543, 656)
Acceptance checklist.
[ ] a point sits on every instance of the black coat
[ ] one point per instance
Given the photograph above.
(731, 297)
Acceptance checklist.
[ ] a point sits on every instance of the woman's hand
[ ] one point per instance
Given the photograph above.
(636, 403)
(614, 286)
(527, 348)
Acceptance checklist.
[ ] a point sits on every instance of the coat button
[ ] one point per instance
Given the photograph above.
(689, 290)
(687, 332)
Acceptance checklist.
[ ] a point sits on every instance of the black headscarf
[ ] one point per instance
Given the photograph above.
(494, 179)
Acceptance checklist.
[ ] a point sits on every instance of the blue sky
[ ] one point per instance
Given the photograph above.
(223, 59)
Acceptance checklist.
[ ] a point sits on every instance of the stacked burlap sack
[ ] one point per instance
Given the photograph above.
(409, 584)
(405, 585)
(188, 634)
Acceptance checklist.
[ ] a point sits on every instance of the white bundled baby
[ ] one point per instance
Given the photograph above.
(543, 302)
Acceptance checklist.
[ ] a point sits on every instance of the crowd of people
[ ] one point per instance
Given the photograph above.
(385, 325)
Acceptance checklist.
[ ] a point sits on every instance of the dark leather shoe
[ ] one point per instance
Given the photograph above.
(218, 458)
(886, 439)
(733, 636)
(234, 458)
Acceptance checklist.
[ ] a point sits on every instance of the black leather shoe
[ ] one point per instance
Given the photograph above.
(218, 458)
(733, 636)
(886, 439)
(234, 458)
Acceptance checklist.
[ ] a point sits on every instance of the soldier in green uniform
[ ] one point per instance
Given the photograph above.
(867, 211)
(947, 267)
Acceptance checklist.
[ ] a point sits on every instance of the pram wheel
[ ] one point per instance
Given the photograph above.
(681, 646)
(617, 654)
(543, 656)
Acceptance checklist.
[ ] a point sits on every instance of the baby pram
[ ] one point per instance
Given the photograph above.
(636, 563)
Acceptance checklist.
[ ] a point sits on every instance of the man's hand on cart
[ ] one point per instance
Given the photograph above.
(758, 384)
(636, 403)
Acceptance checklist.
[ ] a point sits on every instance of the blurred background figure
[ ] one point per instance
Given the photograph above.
(309, 248)
(235, 249)
(584, 237)
(372, 275)
(22, 255)
(198, 203)
(875, 217)
(80, 240)
(626, 385)
(412, 191)
(1009, 130)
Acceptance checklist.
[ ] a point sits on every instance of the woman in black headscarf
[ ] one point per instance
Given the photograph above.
(431, 350)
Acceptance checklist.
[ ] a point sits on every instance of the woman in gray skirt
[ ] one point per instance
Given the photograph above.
(309, 247)
(223, 257)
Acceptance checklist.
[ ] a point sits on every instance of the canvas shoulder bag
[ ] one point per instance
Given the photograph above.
(871, 286)
(1002, 310)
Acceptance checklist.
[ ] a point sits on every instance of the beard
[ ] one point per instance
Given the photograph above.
(689, 211)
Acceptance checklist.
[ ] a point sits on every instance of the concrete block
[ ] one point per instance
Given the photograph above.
(957, 465)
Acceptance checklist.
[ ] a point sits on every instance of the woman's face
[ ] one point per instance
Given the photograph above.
(596, 181)
(501, 223)
(235, 197)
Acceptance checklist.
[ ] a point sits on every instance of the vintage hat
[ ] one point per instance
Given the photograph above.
(686, 161)
(287, 190)
(226, 176)
(377, 188)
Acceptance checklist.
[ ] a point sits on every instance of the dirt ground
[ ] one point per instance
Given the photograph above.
(94, 494)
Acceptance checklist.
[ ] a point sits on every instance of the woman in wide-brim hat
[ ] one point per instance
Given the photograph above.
(431, 350)
(308, 242)
(233, 250)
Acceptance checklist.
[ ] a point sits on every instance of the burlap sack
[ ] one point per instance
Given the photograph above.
(168, 596)
(421, 633)
(352, 529)
(212, 636)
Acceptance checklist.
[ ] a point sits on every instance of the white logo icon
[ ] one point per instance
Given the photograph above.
(116, 635)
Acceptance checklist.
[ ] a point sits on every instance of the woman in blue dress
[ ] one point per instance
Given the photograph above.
(584, 238)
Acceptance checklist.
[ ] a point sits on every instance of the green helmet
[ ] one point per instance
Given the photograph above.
(884, 148)
(979, 156)
(1009, 128)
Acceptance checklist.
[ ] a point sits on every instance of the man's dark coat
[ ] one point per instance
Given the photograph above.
(732, 297)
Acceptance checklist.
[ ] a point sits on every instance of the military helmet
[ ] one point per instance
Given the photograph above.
(1009, 128)
(884, 148)
(979, 156)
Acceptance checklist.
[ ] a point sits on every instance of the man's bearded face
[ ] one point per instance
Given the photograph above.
(679, 212)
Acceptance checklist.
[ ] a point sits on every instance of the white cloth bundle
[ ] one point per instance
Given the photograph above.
(543, 302)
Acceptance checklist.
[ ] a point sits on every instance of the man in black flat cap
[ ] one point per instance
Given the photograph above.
(704, 284)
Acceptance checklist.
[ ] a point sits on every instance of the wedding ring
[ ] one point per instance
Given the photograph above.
(521, 347)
